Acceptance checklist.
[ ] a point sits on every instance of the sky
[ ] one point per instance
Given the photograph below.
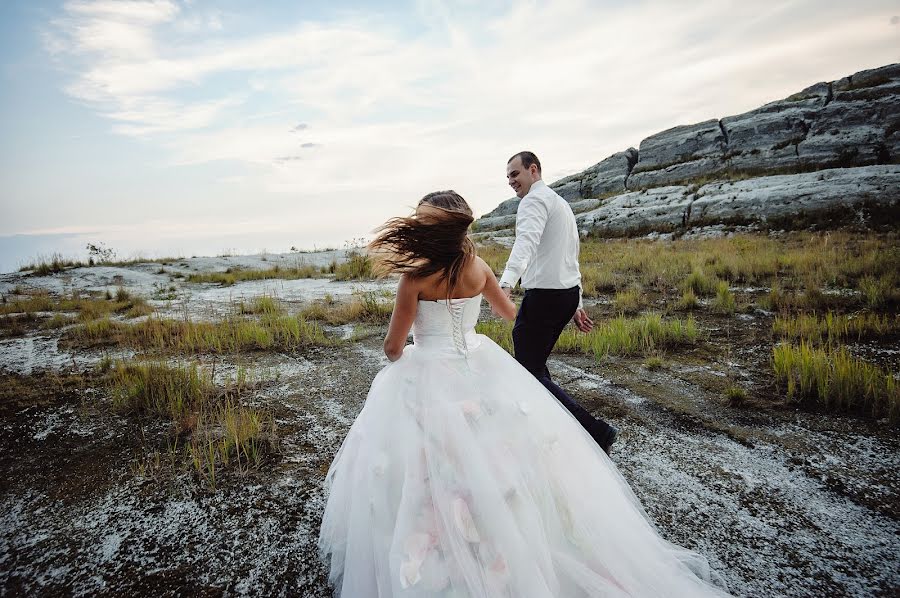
(193, 127)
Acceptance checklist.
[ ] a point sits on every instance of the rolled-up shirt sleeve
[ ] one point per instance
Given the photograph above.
(531, 218)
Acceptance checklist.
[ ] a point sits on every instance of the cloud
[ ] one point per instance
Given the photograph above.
(444, 100)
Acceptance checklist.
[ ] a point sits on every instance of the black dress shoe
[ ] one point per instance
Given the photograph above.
(610, 439)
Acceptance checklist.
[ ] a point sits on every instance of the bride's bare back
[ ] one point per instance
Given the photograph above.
(476, 278)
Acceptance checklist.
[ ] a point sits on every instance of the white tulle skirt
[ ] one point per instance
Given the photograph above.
(463, 477)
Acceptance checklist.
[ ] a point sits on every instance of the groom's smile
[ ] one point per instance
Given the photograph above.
(521, 178)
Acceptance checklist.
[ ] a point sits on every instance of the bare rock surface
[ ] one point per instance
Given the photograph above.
(764, 200)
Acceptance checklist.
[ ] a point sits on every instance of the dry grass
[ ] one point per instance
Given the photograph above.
(366, 307)
(222, 433)
(88, 306)
(234, 275)
(232, 335)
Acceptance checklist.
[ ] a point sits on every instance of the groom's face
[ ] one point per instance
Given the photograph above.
(521, 178)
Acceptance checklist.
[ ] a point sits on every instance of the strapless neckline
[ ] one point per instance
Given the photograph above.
(453, 299)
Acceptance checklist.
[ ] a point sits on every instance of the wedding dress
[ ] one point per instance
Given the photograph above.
(464, 477)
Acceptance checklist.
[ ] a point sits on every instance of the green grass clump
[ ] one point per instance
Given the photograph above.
(688, 301)
(654, 362)
(735, 395)
(357, 266)
(159, 389)
(833, 327)
(629, 301)
(232, 335)
(723, 302)
(878, 291)
(222, 432)
(700, 283)
(835, 380)
(263, 304)
(630, 336)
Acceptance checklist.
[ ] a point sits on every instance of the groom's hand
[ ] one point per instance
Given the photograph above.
(582, 321)
(507, 291)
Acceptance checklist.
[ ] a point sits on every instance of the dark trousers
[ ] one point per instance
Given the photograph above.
(541, 319)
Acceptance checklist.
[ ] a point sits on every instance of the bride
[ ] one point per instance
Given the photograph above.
(463, 476)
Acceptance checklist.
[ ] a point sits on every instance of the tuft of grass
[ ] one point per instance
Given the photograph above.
(367, 307)
(654, 362)
(631, 336)
(735, 395)
(264, 304)
(833, 327)
(222, 432)
(44, 266)
(88, 307)
(688, 301)
(159, 389)
(629, 301)
(835, 380)
(234, 275)
(357, 266)
(700, 283)
(877, 291)
(723, 302)
(232, 335)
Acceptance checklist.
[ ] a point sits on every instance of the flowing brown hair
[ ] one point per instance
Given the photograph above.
(427, 243)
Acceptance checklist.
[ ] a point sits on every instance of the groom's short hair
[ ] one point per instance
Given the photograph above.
(528, 158)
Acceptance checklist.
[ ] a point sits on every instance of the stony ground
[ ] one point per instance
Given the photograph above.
(784, 502)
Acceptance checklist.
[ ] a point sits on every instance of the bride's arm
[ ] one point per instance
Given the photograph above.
(500, 303)
(402, 319)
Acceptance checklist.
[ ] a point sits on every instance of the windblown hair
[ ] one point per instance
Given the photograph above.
(427, 243)
(528, 158)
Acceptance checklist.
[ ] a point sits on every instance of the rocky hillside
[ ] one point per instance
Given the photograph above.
(829, 152)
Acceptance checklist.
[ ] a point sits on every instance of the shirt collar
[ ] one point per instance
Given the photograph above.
(537, 185)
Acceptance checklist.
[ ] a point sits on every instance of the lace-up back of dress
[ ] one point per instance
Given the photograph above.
(450, 325)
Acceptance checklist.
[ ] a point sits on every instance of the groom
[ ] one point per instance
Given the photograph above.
(545, 257)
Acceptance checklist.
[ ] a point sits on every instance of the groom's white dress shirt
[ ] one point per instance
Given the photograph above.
(545, 254)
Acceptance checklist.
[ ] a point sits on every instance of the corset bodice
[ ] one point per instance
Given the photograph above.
(440, 325)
